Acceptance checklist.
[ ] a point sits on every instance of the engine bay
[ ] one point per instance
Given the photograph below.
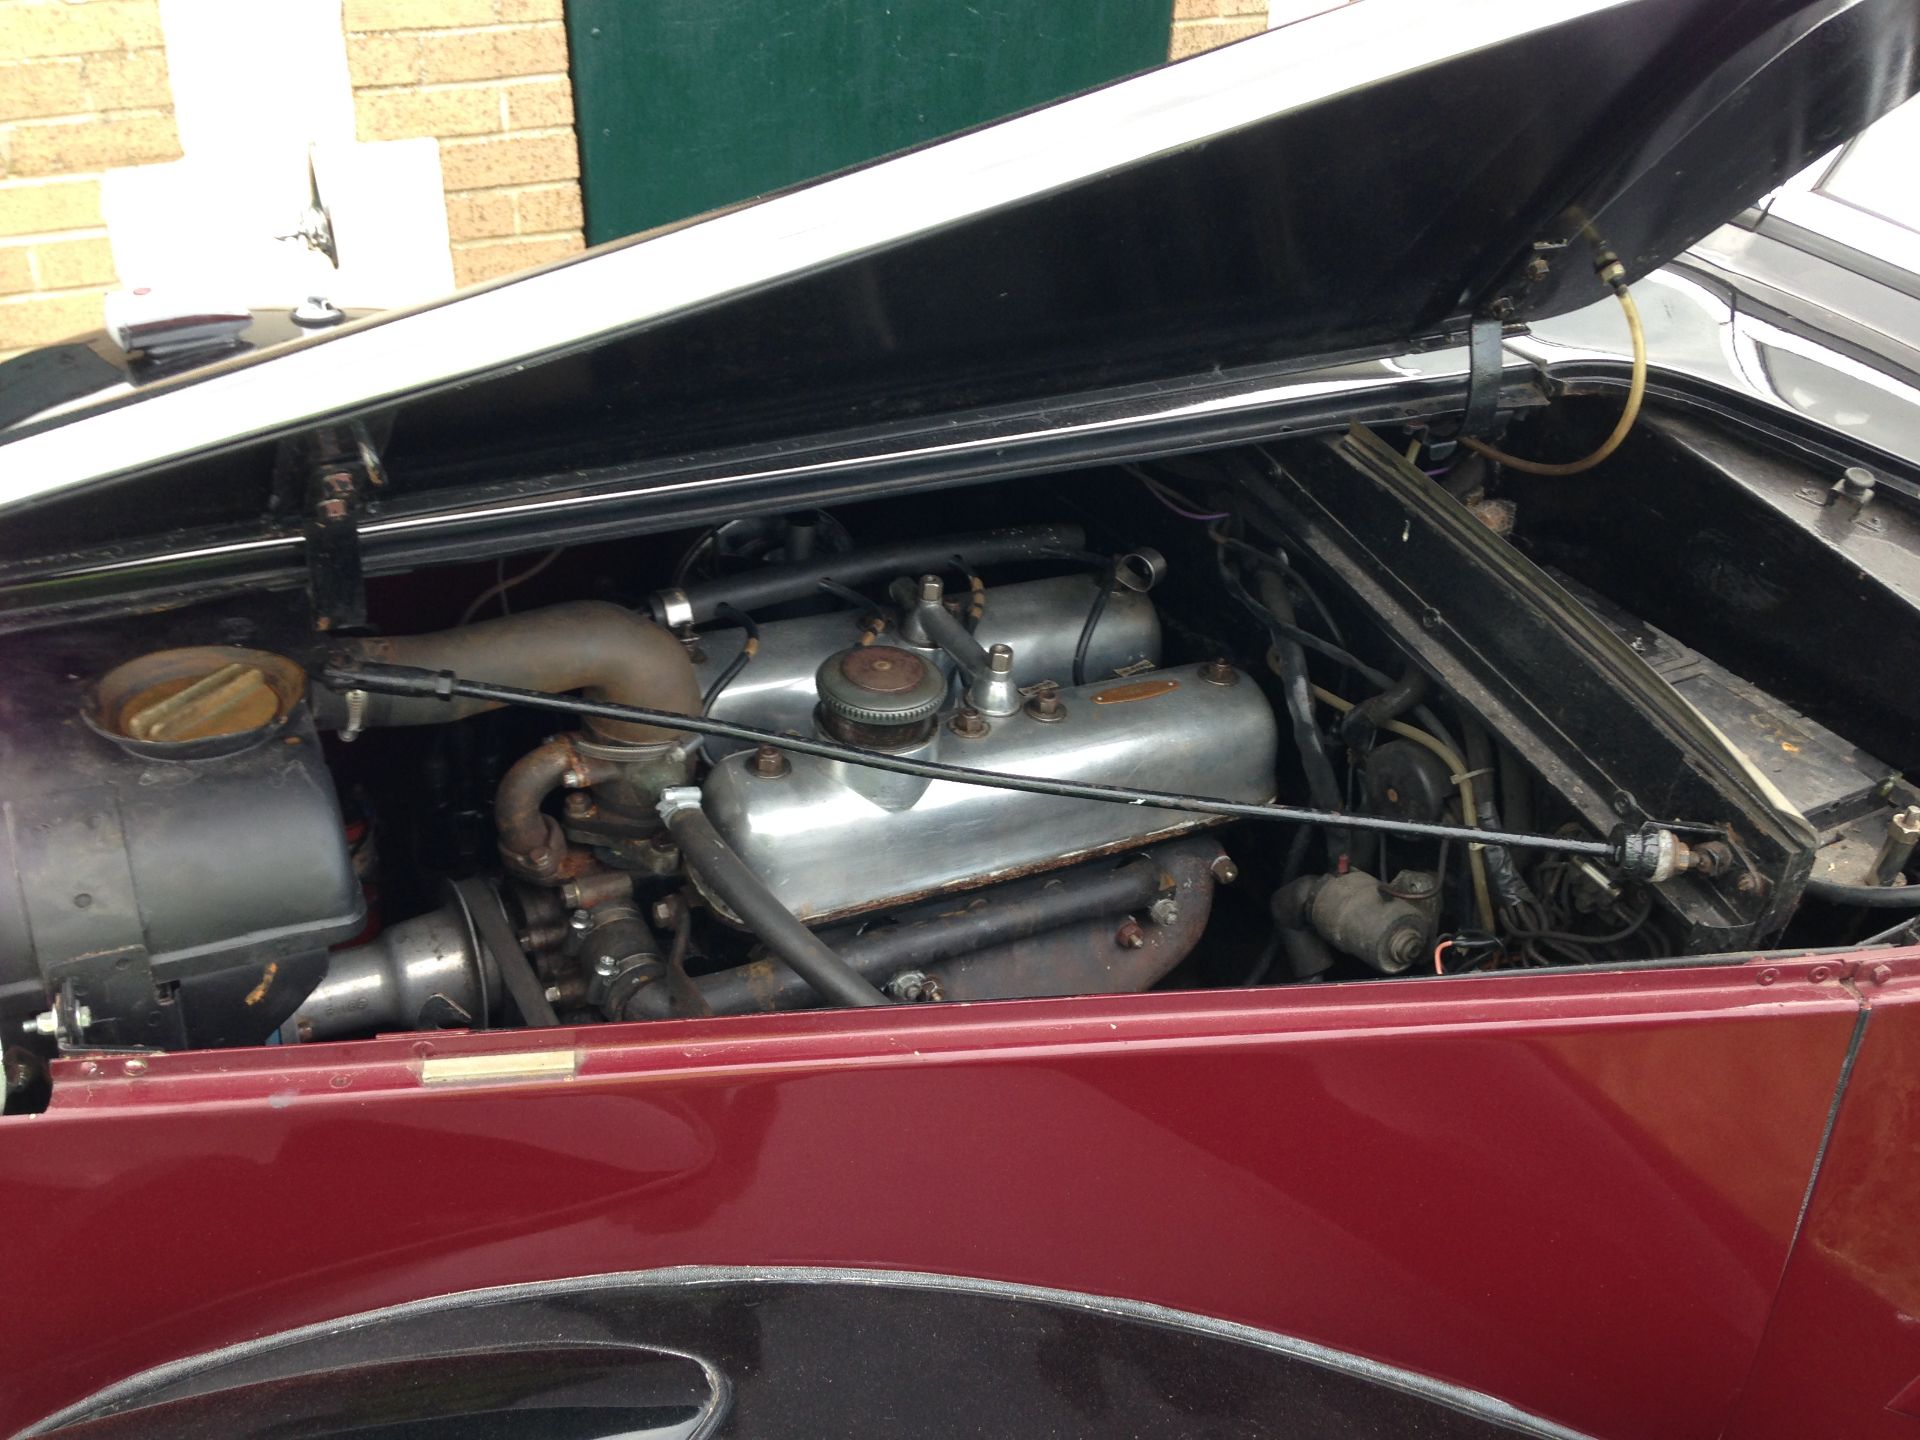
(1253, 717)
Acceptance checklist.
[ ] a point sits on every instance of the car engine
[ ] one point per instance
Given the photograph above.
(849, 758)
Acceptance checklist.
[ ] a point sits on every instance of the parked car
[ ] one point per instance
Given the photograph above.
(1227, 759)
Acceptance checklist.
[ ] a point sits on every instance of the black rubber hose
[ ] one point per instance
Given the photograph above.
(1873, 897)
(1373, 713)
(775, 584)
(1323, 787)
(760, 910)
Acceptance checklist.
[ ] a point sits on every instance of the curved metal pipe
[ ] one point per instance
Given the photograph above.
(608, 651)
(532, 843)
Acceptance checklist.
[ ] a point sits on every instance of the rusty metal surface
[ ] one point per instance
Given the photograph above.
(1097, 956)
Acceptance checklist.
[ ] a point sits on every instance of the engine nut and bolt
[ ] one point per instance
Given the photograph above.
(1896, 850)
(663, 913)
(1130, 936)
(931, 590)
(47, 1022)
(606, 967)
(969, 724)
(769, 764)
(1000, 659)
(1164, 911)
(580, 921)
(1219, 672)
(1225, 872)
(1045, 704)
(915, 987)
(578, 806)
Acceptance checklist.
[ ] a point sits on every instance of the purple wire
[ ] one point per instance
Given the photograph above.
(1186, 514)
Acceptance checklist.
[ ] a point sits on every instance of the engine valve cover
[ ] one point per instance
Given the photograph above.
(834, 839)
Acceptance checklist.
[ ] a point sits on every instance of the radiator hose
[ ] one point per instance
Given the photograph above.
(729, 880)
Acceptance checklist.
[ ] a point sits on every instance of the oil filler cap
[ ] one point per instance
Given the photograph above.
(880, 686)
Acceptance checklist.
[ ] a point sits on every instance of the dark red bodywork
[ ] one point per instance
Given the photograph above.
(1576, 1191)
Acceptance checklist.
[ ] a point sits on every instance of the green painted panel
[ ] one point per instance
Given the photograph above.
(685, 105)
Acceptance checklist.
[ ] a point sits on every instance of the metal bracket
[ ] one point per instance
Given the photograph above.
(1484, 369)
(343, 473)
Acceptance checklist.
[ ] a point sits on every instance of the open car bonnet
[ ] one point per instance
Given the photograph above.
(1358, 184)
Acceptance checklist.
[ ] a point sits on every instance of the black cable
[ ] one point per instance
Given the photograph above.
(1873, 897)
(748, 649)
(409, 680)
(840, 592)
(1107, 581)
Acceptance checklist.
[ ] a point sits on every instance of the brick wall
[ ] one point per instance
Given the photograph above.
(83, 88)
(1202, 24)
(488, 79)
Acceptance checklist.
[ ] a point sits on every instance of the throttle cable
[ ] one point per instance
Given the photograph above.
(1635, 850)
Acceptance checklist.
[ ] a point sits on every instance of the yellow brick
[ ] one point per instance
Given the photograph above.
(507, 160)
(16, 275)
(32, 28)
(401, 114)
(547, 208)
(1192, 36)
(38, 206)
(531, 9)
(479, 215)
(539, 105)
(64, 146)
(47, 319)
(416, 14)
(494, 258)
(41, 87)
(494, 54)
(383, 59)
(1195, 9)
(128, 80)
(69, 264)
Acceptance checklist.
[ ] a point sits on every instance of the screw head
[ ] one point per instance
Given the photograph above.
(580, 921)
(1225, 872)
(1164, 911)
(135, 1067)
(606, 967)
(1767, 977)
(1819, 974)
(1537, 269)
(1880, 974)
(1000, 659)
(663, 913)
(1219, 671)
(1130, 936)
(931, 590)
(769, 764)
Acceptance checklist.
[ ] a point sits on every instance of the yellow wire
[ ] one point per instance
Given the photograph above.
(1635, 390)
(1457, 769)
